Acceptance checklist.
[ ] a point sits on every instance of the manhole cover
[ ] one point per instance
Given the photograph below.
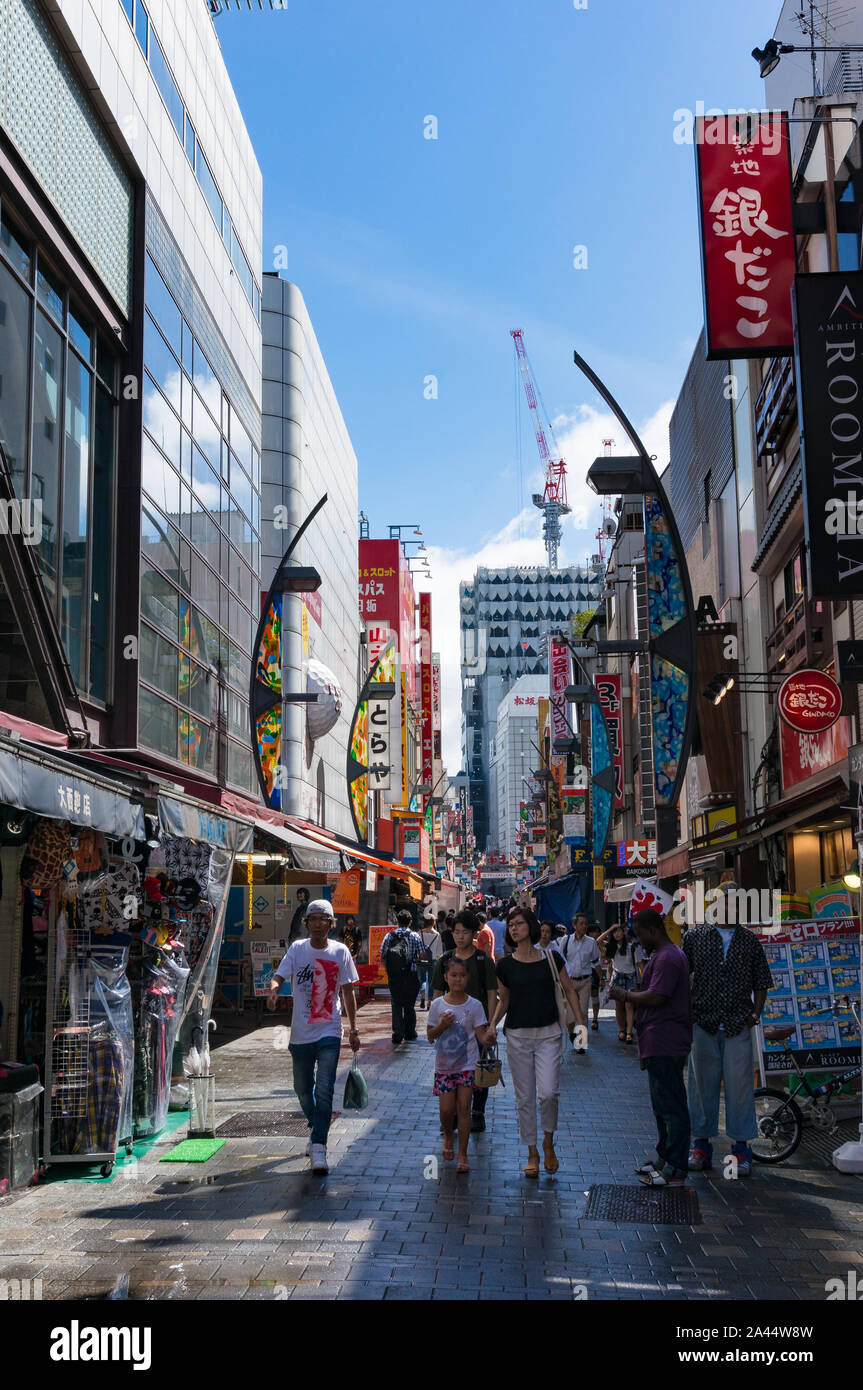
(656, 1206)
(267, 1124)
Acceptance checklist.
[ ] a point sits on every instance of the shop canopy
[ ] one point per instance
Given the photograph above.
(47, 786)
(560, 900)
(195, 821)
(353, 851)
(307, 855)
(620, 892)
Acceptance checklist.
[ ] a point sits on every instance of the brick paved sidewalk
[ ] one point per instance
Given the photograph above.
(253, 1223)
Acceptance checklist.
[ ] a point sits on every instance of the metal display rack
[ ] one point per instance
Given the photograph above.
(69, 1029)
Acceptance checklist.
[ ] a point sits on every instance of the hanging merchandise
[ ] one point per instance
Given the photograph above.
(163, 984)
(48, 851)
(186, 859)
(90, 1064)
(88, 852)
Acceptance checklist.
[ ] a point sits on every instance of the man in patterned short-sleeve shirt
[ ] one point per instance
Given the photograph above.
(730, 980)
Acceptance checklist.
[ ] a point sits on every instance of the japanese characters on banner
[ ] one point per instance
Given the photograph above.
(608, 690)
(803, 755)
(747, 233)
(648, 894)
(635, 853)
(437, 757)
(829, 365)
(379, 744)
(346, 893)
(558, 680)
(426, 702)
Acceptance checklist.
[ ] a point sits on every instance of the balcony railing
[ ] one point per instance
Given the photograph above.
(801, 637)
(775, 406)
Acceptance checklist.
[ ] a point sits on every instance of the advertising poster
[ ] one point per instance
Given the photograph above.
(813, 969)
(346, 894)
(266, 957)
(574, 808)
(373, 973)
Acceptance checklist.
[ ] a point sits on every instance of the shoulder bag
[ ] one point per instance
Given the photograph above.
(565, 1015)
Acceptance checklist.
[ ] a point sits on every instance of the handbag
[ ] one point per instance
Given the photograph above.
(356, 1090)
(489, 1068)
(565, 1015)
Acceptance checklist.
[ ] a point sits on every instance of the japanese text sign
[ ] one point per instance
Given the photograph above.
(608, 690)
(747, 233)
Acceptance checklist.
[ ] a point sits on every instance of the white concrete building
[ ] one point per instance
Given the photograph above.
(513, 757)
(307, 452)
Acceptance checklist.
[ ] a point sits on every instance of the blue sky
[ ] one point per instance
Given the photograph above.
(416, 257)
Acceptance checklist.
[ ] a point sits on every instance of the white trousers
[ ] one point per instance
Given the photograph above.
(533, 1055)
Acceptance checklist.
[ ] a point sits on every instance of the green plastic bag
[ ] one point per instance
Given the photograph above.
(356, 1090)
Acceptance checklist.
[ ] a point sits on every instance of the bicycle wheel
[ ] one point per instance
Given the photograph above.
(780, 1126)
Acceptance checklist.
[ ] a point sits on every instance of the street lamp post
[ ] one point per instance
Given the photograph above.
(672, 647)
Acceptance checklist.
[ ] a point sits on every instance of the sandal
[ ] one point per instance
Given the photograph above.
(655, 1178)
(531, 1168)
(550, 1157)
(463, 1165)
(594, 1025)
(629, 1038)
(621, 1037)
(449, 1151)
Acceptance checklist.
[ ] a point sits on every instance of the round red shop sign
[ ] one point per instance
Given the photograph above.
(810, 701)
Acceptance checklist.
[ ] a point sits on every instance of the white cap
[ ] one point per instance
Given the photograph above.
(321, 905)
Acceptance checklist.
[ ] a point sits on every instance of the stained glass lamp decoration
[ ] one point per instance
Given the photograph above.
(267, 698)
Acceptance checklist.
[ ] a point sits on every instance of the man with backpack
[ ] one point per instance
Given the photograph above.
(401, 953)
(481, 985)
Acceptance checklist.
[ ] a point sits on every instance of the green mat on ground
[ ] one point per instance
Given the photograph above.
(193, 1151)
(72, 1172)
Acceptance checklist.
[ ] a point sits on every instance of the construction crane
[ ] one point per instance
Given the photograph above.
(552, 501)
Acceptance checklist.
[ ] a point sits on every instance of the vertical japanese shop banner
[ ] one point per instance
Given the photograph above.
(829, 362)
(558, 680)
(747, 233)
(608, 690)
(426, 698)
(437, 757)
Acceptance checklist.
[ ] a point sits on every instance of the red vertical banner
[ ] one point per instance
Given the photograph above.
(608, 690)
(747, 233)
(426, 697)
(558, 680)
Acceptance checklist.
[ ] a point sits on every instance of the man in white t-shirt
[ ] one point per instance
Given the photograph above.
(320, 972)
(581, 954)
(498, 927)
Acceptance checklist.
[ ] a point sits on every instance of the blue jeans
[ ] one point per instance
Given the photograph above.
(714, 1059)
(314, 1089)
(424, 975)
(668, 1098)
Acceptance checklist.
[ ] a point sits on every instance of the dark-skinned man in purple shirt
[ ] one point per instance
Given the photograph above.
(664, 1020)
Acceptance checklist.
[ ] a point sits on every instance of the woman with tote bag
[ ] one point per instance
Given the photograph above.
(529, 998)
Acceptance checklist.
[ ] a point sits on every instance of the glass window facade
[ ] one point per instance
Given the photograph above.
(58, 427)
(152, 50)
(200, 557)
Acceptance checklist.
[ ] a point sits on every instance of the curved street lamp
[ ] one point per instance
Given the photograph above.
(671, 641)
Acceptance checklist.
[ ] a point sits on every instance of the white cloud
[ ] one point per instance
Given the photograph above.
(579, 435)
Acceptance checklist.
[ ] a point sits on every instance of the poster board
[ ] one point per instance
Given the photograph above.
(374, 973)
(346, 893)
(266, 957)
(813, 964)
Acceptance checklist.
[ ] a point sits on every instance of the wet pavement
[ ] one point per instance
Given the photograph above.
(392, 1220)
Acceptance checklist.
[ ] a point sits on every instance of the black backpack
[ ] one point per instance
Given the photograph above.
(397, 960)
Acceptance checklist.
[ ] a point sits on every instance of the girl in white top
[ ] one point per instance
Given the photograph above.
(620, 950)
(455, 1022)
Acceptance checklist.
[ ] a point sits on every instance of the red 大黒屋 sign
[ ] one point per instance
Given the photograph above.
(747, 233)
(810, 701)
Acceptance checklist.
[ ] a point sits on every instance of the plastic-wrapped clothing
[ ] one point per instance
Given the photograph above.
(163, 986)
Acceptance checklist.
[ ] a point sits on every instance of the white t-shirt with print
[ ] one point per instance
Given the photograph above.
(316, 978)
(457, 1048)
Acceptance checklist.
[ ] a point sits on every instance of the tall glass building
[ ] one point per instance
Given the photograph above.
(130, 383)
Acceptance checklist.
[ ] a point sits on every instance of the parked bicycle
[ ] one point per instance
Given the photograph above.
(781, 1116)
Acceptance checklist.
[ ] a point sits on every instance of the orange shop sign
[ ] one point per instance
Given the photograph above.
(346, 894)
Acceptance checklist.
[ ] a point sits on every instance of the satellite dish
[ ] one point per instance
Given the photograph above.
(322, 715)
(609, 526)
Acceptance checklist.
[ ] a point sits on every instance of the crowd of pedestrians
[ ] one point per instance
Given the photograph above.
(691, 1009)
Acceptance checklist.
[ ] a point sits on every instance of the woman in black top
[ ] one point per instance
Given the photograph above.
(533, 1032)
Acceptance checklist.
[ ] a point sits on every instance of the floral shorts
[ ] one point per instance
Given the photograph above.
(448, 1081)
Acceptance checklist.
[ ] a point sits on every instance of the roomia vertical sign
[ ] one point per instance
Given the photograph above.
(828, 311)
